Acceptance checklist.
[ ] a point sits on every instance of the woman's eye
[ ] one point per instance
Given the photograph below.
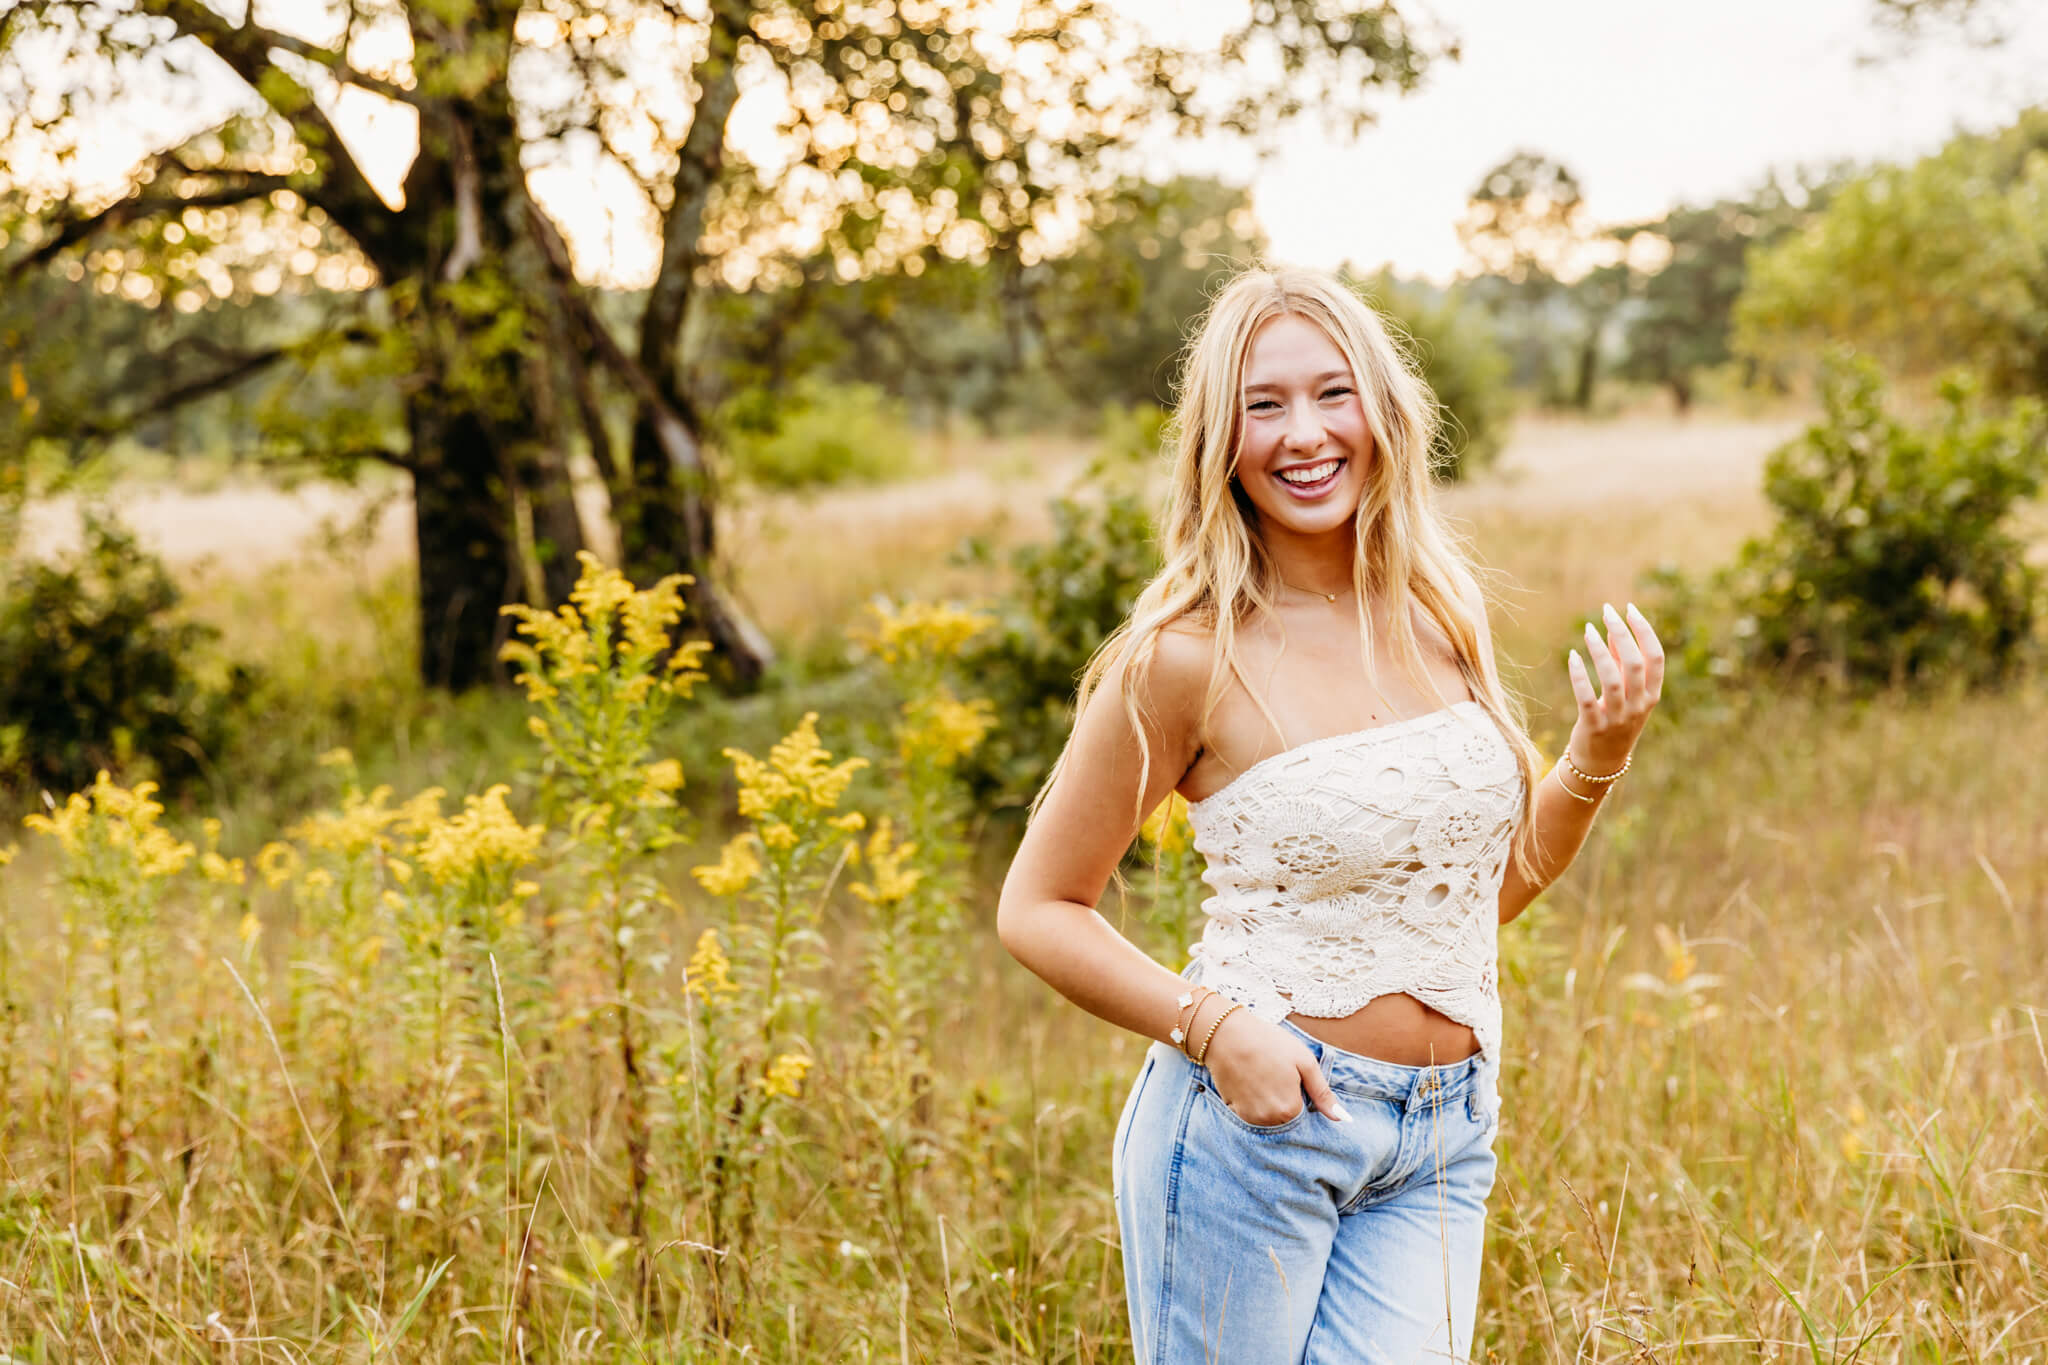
(1264, 405)
(1335, 393)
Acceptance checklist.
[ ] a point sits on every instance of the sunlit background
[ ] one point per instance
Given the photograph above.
(548, 548)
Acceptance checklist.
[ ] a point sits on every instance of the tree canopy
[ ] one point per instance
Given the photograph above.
(900, 137)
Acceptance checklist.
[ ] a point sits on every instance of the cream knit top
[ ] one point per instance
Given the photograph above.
(1362, 864)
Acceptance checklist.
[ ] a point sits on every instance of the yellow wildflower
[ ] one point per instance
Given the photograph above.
(121, 819)
(921, 630)
(483, 840)
(317, 879)
(785, 1075)
(336, 758)
(250, 927)
(852, 822)
(7, 854)
(709, 975)
(945, 729)
(735, 870)
(778, 835)
(1167, 825)
(359, 825)
(215, 868)
(276, 863)
(66, 824)
(892, 879)
(798, 770)
(662, 778)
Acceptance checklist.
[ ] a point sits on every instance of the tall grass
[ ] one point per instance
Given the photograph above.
(401, 1087)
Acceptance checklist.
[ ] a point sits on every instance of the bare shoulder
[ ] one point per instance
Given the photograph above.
(1112, 773)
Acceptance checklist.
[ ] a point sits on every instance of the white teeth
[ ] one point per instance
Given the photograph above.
(1312, 474)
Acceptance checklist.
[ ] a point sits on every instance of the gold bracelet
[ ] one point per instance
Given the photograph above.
(1234, 1007)
(1187, 998)
(1589, 800)
(1585, 776)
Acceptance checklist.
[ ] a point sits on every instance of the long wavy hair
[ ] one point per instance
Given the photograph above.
(1218, 572)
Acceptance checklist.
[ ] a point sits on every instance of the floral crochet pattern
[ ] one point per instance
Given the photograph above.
(1362, 864)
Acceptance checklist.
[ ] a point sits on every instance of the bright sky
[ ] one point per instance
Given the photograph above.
(1649, 102)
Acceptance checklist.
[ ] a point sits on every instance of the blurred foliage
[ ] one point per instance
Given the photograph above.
(1681, 324)
(813, 434)
(1455, 346)
(1928, 265)
(1069, 593)
(97, 670)
(1892, 561)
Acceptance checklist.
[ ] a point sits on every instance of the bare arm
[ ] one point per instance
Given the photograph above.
(1047, 917)
(1630, 663)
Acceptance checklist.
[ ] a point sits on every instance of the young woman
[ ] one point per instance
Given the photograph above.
(1302, 1164)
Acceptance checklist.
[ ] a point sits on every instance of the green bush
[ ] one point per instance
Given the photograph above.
(1891, 560)
(813, 434)
(96, 671)
(1454, 344)
(1068, 594)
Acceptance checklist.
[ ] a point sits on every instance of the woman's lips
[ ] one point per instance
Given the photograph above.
(1313, 490)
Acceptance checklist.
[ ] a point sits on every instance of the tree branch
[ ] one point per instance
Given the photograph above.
(339, 186)
(139, 205)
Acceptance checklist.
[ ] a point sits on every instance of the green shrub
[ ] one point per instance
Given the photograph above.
(814, 434)
(1069, 593)
(1465, 367)
(1891, 560)
(96, 671)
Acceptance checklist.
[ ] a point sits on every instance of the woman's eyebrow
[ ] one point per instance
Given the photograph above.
(1322, 378)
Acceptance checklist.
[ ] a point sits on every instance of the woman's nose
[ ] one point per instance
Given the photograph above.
(1304, 428)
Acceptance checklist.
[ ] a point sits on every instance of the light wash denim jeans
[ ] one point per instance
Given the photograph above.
(1311, 1242)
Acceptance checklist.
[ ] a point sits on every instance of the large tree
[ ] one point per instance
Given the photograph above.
(905, 134)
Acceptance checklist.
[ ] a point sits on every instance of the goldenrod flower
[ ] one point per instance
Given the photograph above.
(798, 770)
(1167, 826)
(120, 819)
(360, 825)
(336, 758)
(944, 729)
(892, 879)
(484, 840)
(709, 975)
(778, 835)
(921, 630)
(275, 863)
(218, 869)
(735, 870)
(785, 1075)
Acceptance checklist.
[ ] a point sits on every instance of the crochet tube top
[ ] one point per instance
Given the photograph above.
(1362, 864)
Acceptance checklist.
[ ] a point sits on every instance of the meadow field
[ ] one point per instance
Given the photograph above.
(692, 1041)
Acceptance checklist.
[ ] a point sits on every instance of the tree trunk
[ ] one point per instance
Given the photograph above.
(665, 526)
(468, 552)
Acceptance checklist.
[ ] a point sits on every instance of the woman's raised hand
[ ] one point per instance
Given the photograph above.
(1260, 1070)
(1630, 664)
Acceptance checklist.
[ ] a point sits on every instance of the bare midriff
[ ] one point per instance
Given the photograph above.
(1394, 1028)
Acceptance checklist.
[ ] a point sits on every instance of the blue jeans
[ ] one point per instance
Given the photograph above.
(1310, 1242)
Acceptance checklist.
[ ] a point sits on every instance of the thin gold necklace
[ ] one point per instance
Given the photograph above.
(1329, 596)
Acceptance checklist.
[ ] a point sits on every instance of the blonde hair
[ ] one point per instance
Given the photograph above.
(1217, 571)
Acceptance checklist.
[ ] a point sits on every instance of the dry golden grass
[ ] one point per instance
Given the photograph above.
(1775, 1059)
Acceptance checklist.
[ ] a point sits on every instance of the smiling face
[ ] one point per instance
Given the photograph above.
(1301, 415)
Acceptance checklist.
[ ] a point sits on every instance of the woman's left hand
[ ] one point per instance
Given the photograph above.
(1630, 664)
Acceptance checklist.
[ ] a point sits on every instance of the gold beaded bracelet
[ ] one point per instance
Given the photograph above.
(1234, 1008)
(1585, 776)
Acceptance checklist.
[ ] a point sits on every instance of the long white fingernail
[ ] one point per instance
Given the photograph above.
(1343, 1114)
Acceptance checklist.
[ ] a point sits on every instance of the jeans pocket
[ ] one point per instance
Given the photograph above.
(1216, 1103)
